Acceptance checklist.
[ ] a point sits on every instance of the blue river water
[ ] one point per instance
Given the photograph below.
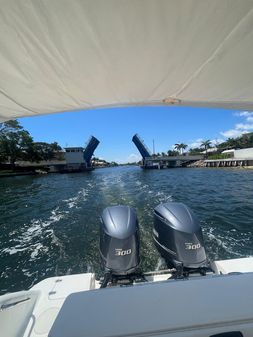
(50, 224)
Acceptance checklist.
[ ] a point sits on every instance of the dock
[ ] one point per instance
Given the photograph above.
(162, 162)
(231, 162)
(237, 158)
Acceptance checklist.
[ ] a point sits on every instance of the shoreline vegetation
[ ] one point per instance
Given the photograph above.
(20, 155)
(17, 147)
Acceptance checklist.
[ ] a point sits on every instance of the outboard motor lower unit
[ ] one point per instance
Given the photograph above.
(119, 241)
(178, 237)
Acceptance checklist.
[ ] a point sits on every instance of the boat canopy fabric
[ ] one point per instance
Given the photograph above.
(62, 55)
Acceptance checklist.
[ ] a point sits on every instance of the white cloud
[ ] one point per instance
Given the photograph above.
(196, 143)
(250, 118)
(239, 129)
(132, 158)
(242, 126)
(233, 133)
(199, 141)
(243, 113)
(217, 141)
(248, 115)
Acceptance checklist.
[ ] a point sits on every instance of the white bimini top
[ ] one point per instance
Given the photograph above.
(62, 55)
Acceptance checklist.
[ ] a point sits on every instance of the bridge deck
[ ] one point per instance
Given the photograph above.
(173, 158)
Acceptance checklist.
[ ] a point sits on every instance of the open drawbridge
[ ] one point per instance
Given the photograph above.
(144, 151)
(89, 149)
(150, 161)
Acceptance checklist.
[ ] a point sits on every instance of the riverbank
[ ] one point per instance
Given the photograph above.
(9, 170)
(6, 174)
(239, 164)
(199, 163)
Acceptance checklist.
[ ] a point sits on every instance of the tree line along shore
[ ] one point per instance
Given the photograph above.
(21, 155)
(17, 145)
(210, 149)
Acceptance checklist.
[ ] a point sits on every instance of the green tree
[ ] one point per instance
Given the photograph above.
(232, 143)
(242, 142)
(206, 144)
(177, 147)
(180, 147)
(14, 142)
(17, 144)
(156, 154)
(10, 126)
(183, 147)
(172, 153)
(3, 153)
(195, 151)
(45, 151)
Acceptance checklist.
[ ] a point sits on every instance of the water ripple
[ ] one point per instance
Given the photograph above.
(50, 224)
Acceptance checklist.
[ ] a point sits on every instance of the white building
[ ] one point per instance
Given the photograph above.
(74, 155)
(244, 153)
(230, 151)
(241, 153)
(210, 150)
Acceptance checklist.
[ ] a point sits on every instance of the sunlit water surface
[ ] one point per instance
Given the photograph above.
(50, 224)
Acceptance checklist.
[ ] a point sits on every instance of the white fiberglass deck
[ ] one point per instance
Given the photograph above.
(73, 306)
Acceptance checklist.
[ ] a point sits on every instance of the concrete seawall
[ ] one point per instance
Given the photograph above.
(230, 162)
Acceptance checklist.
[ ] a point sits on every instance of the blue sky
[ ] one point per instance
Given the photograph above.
(115, 127)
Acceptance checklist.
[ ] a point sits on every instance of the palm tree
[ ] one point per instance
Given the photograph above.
(177, 147)
(172, 153)
(183, 147)
(206, 144)
(232, 143)
(180, 147)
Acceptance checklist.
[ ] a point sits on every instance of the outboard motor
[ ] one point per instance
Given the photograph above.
(178, 237)
(119, 243)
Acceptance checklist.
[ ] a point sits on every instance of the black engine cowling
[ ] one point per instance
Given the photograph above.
(119, 240)
(178, 236)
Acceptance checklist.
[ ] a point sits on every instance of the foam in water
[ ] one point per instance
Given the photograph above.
(24, 242)
(46, 243)
(224, 241)
(80, 197)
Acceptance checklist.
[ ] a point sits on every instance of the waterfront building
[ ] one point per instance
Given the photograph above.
(75, 161)
(240, 157)
(74, 155)
(79, 158)
(244, 154)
